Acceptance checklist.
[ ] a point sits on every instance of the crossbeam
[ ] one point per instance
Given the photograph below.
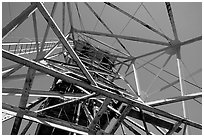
(69, 79)
(53, 122)
(131, 38)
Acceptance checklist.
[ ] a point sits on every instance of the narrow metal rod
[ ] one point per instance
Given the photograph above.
(103, 43)
(175, 127)
(137, 125)
(163, 66)
(48, 27)
(64, 41)
(102, 109)
(175, 99)
(120, 119)
(70, 19)
(26, 128)
(28, 106)
(41, 93)
(102, 22)
(144, 122)
(190, 41)
(181, 83)
(176, 77)
(9, 67)
(23, 100)
(63, 18)
(87, 113)
(69, 101)
(18, 20)
(137, 20)
(35, 32)
(53, 122)
(171, 18)
(184, 129)
(131, 128)
(63, 21)
(123, 130)
(151, 60)
(136, 80)
(7, 74)
(96, 89)
(131, 38)
(159, 129)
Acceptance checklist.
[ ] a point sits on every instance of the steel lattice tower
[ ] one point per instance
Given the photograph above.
(85, 96)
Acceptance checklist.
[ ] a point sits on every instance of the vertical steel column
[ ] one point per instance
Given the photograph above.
(181, 81)
(70, 19)
(63, 21)
(138, 93)
(35, 32)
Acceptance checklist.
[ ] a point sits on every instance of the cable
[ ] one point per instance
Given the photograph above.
(128, 22)
(99, 16)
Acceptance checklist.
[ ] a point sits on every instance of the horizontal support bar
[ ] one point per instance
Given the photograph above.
(123, 37)
(40, 93)
(53, 122)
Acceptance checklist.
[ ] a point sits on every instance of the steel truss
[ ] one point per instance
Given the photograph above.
(91, 79)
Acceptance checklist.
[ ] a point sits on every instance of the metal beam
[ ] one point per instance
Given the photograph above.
(61, 37)
(102, 22)
(35, 32)
(190, 41)
(171, 18)
(69, 8)
(87, 113)
(131, 38)
(174, 100)
(102, 109)
(40, 93)
(144, 122)
(137, 20)
(69, 101)
(137, 125)
(136, 80)
(175, 127)
(103, 43)
(120, 119)
(7, 74)
(23, 100)
(48, 27)
(63, 22)
(151, 119)
(53, 122)
(28, 107)
(18, 20)
(181, 81)
(96, 89)
(131, 128)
